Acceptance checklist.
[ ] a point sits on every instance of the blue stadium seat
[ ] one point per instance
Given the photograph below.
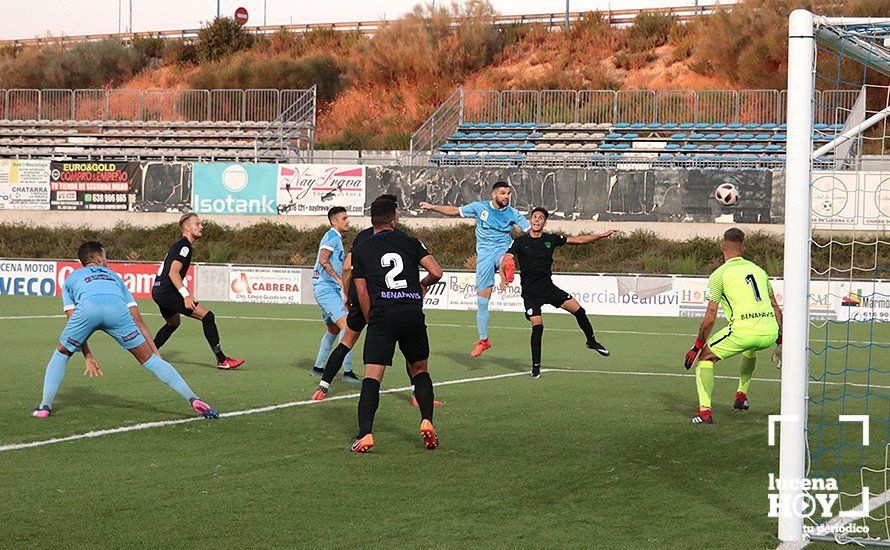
(514, 125)
(836, 127)
(780, 137)
(543, 125)
(678, 135)
(474, 135)
(622, 125)
(783, 126)
(497, 126)
(705, 147)
(696, 135)
(535, 135)
(520, 135)
(768, 126)
(763, 137)
(607, 146)
(494, 146)
(723, 147)
(669, 125)
(820, 126)
(755, 148)
(630, 136)
(527, 125)
(689, 147)
(739, 147)
(752, 126)
(504, 135)
(622, 146)
(653, 126)
(613, 135)
(672, 147)
(746, 136)
(686, 126)
(734, 126)
(712, 136)
(637, 126)
(446, 147)
(774, 147)
(701, 125)
(527, 146)
(462, 146)
(466, 126)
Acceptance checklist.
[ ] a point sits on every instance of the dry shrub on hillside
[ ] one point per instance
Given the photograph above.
(87, 65)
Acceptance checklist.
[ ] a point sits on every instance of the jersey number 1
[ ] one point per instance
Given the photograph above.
(394, 260)
(750, 280)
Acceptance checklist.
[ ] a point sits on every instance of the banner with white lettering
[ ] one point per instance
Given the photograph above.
(27, 278)
(314, 188)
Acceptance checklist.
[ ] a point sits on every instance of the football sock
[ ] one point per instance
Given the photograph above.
(367, 405)
(537, 335)
(423, 391)
(324, 350)
(482, 317)
(55, 371)
(584, 323)
(169, 375)
(164, 334)
(211, 333)
(411, 378)
(335, 361)
(746, 370)
(704, 382)
(347, 361)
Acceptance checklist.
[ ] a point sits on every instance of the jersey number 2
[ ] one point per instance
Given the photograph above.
(750, 280)
(394, 260)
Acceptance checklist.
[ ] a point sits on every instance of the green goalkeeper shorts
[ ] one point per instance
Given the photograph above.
(727, 343)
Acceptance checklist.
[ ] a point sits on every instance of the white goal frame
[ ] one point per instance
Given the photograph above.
(804, 30)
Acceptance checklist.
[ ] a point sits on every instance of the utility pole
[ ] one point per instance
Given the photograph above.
(567, 14)
(217, 8)
(131, 16)
(119, 16)
(264, 13)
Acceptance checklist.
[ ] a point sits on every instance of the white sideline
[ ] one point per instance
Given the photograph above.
(268, 408)
(162, 423)
(445, 325)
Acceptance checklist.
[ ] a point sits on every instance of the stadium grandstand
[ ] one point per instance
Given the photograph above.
(597, 128)
(125, 124)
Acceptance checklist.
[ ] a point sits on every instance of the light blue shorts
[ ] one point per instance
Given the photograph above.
(112, 317)
(330, 300)
(487, 263)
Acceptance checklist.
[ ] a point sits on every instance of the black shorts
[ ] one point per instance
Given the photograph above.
(355, 319)
(170, 303)
(544, 294)
(408, 328)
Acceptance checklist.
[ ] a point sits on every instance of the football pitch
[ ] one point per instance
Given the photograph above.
(598, 452)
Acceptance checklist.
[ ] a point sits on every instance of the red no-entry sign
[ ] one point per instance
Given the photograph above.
(241, 16)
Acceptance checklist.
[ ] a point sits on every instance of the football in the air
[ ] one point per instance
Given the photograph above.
(727, 194)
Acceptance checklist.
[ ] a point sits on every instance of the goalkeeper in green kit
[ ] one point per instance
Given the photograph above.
(755, 323)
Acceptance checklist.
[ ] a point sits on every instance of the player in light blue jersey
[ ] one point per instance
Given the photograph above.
(496, 221)
(327, 286)
(95, 298)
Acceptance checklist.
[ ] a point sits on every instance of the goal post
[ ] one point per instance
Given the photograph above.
(795, 332)
(833, 62)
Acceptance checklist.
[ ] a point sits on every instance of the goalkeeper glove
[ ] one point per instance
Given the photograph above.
(693, 353)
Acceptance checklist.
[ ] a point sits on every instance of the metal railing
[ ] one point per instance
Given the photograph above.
(292, 130)
(252, 105)
(549, 20)
(611, 107)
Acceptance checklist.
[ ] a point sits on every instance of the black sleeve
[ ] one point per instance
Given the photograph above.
(512, 249)
(559, 240)
(422, 252)
(358, 268)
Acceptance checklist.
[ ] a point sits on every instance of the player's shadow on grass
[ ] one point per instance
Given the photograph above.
(173, 359)
(346, 424)
(90, 399)
(462, 358)
(722, 406)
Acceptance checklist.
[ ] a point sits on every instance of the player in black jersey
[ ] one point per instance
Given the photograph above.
(355, 320)
(386, 275)
(171, 294)
(534, 253)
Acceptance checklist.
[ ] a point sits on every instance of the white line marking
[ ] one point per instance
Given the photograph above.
(445, 325)
(162, 423)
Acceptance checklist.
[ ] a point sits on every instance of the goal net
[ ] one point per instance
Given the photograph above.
(835, 417)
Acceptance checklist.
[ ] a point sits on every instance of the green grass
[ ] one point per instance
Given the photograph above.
(605, 459)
